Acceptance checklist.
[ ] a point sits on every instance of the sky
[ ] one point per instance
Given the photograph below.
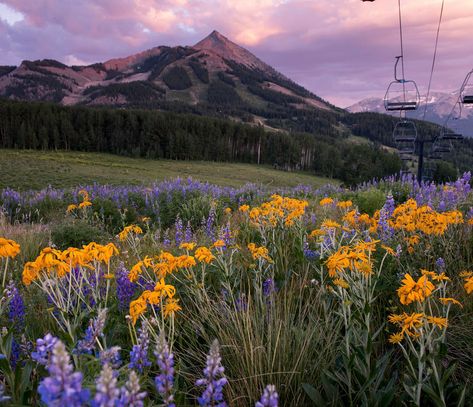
(342, 50)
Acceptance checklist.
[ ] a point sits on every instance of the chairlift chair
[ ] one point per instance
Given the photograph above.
(467, 89)
(401, 94)
(405, 131)
(442, 146)
(448, 134)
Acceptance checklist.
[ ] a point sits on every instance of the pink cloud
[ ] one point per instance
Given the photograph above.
(343, 50)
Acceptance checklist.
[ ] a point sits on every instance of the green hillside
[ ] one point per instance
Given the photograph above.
(27, 169)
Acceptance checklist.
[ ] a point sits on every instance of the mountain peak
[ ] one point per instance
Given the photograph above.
(222, 46)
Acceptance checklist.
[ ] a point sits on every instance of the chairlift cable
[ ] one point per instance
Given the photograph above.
(433, 59)
(402, 55)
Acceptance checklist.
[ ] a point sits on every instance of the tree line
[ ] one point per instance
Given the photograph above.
(155, 134)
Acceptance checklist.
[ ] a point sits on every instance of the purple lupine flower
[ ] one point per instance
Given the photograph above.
(269, 398)
(131, 396)
(44, 348)
(165, 380)
(269, 287)
(93, 332)
(188, 234)
(309, 254)
(125, 288)
(15, 353)
(63, 387)
(3, 397)
(213, 379)
(179, 231)
(226, 235)
(166, 240)
(108, 393)
(16, 313)
(111, 356)
(440, 265)
(210, 223)
(139, 353)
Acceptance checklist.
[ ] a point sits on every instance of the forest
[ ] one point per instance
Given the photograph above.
(166, 135)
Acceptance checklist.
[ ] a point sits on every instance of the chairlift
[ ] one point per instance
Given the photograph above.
(467, 90)
(434, 156)
(447, 134)
(405, 131)
(442, 146)
(401, 94)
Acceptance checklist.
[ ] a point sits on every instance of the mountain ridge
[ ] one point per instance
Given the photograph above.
(214, 75)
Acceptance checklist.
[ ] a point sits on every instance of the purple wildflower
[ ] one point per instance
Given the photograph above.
(130, 393)
(165, 380)
(139, 354)
(108, 393)
(93, 333)
(309, 254)
(269, 398)
(125, 288)
(188, 234)
(16, 313)
(111, 356)
(440, 265)
(213, 379)
(63, 387)
(44, 348)
(179, 231)
(269, 287)
(3, 398)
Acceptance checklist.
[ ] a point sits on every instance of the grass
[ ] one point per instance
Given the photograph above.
(27, 169)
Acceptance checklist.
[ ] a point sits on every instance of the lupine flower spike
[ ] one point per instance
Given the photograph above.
(213, 379)
(165, 381)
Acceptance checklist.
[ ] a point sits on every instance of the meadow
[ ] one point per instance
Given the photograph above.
(181, 293)
(32, 169)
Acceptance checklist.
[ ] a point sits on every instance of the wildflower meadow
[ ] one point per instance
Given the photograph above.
(184, 293)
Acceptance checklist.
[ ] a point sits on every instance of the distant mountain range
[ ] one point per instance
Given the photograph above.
(215, 74)
(439, 108)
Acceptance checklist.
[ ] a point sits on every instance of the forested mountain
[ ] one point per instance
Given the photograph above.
(288, 126)
(215, 76)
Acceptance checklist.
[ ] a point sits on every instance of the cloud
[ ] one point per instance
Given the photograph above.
(343, 50)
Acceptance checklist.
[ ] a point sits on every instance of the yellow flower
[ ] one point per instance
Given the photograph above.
(187, 246)
(171, 307)
(389, 250)
(85, 204)
(414, 291)
(203, 254)
(439, 322)
(8, 248)
(109, 276)
(469, 285)
(129, 229)
(219, 243)
(137, 307)
(330, 224)
(317, 232)
(340, 282)
(446, 301)
(164, 289)
(326, 201)
(228, 211)
(396, 338)
(30, 272)
(466, 273)
(409, 323)
(244, 208)
(259, 252)
(344, 204)
(185, 261)
(71, 207)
